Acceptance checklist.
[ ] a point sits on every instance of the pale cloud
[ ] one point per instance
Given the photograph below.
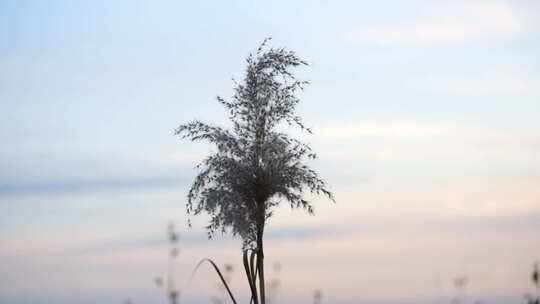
(441, 196)
(414, 129)
(396, 129)
(471, 21)
(498, 84)
(179, 157)
(416, 148)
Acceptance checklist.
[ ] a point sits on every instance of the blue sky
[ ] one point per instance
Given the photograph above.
(425, 117)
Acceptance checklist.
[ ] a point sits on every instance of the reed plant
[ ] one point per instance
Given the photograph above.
(255, 166)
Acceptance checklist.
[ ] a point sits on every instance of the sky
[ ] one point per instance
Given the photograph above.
(425, 118)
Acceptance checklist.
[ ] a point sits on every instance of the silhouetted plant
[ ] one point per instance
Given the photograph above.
(531, 299)
(460, 283)
(228, 271)
(317, 296)
(274, 283)
(535, 276)
(172, 292)
(255, 166)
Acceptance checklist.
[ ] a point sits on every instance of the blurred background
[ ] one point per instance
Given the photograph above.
(425, 119)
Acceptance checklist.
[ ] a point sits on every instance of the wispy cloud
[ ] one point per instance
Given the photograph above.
(396, 129)
(420, 141)
(493, 85)
(198, 238)
(413, 129)
(468, 22)
(57, 187)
